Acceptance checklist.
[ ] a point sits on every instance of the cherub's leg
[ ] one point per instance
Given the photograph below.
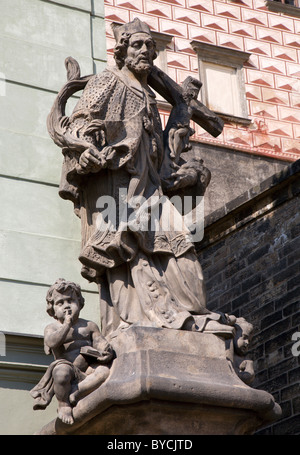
(90, 383)
(62, 377)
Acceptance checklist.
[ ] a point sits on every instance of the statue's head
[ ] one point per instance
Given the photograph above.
(63, 287)
(135, 46)
(191, 88)
(244, 334)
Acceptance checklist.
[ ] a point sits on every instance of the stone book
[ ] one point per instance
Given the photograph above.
(90, 352)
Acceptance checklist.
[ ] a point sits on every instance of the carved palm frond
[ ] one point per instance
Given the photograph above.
(57, 121)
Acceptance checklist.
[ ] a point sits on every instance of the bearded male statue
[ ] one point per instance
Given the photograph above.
(112, 142)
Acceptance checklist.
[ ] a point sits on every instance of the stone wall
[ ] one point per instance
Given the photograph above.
(39, 233)
(232, 172)
(251, 262)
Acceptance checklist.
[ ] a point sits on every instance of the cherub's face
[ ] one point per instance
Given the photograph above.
(65, 303)
(242, 343)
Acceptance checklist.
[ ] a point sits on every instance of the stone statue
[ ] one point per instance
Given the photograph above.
(112, 142)
(177, 367)
(82, 355)
(242, 340)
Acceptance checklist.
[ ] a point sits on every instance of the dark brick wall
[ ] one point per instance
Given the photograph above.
(250, 256)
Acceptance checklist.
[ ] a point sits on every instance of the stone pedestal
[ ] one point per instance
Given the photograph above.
(170, 382)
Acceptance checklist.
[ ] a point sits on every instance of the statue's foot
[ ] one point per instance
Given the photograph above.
(217, 323)
(223, 330)
(65, 414)
(230, 319)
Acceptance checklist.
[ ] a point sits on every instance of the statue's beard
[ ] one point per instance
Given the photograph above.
(137, 66)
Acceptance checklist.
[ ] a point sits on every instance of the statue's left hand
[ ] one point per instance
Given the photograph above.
(106, 355)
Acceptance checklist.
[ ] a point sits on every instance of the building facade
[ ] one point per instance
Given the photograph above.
(246, 54)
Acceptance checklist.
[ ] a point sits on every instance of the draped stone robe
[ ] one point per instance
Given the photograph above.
(146, 276)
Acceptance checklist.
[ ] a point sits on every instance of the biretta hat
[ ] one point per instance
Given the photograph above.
(135, 26)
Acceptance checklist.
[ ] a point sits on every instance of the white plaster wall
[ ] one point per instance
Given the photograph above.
(39, 233)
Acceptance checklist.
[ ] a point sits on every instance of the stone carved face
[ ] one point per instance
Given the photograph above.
(65, 303)
(243, 341)
(140, 53)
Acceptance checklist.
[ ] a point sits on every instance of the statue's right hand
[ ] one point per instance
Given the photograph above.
(89, 161)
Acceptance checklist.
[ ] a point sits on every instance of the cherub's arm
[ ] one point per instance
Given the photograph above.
(54, 335)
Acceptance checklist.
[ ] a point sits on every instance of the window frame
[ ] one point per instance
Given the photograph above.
(162, 40)
(223, 56)
(284, 8)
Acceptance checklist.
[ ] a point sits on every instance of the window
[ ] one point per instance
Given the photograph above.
(288, 7)
(216, 77)
(221, 72)
(287, 2)
(162, 40)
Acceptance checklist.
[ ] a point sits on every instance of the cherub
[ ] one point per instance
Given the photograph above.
(241, 341)
(82, 355)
